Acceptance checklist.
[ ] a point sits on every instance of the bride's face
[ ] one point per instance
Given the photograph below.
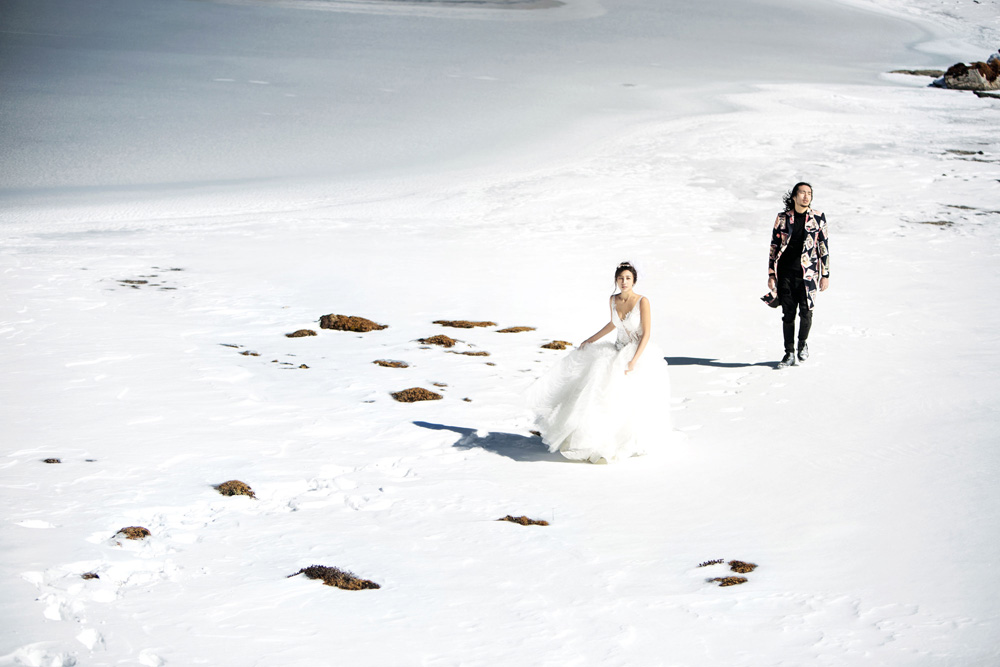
(625, 281)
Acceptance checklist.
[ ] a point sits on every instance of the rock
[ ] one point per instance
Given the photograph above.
(976, 76)
(919, 72)
(301, 333)
(349, 323)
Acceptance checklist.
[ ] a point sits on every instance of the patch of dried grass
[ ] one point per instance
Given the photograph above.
(742, 567)
(386, 363)
(712, 562)
(464, 324)
(414, 394)
(235, 487)
(469, 353)
(51, 460)
(134, 532)
(515, 329)
(334, 576)
(730, 581)
(349, 323)
(440, 339)
(557, 345)
(301, 333)
(524, 521)
(250, 353)
(89, 575)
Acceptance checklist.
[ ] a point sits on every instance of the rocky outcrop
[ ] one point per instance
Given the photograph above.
(975, 76)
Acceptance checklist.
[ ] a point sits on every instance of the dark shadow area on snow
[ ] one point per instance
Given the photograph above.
(715, 363)
(511, 445)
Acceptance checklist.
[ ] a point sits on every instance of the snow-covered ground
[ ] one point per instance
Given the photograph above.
(260, 165)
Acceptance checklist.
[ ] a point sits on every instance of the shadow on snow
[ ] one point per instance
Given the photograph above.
(511, 445)
(715, 363)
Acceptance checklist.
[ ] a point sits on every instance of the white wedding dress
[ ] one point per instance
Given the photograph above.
(588, 409)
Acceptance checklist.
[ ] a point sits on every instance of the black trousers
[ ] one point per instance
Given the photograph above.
(792, 295)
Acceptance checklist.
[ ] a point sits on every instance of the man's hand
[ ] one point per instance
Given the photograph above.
(823, 284)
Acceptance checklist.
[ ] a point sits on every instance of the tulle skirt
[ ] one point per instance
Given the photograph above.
(588, 409)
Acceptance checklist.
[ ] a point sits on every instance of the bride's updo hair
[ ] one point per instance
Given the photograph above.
(627, 266)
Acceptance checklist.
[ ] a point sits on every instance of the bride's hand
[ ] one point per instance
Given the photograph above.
(630, 368)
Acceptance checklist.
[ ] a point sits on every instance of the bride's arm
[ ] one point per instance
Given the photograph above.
(608, 328)
(646, 320)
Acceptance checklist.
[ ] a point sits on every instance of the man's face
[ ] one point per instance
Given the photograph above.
(804, 196)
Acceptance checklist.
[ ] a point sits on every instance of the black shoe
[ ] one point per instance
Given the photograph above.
(803, 352)
(787, 360)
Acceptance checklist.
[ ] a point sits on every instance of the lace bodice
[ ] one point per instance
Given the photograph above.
(629, 328)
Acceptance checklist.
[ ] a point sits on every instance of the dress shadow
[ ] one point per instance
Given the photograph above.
(511, 445)
(715, 363)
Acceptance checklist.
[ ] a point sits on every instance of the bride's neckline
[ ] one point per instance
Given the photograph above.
(620, 316)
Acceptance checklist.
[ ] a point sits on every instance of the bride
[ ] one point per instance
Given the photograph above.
(606, 401)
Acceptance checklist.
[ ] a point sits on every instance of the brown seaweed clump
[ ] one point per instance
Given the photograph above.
(334, 576)
(51, 460)
(515, 329)
(557, 345)
(741, 567)
(89, 575)
(443, 341)
(464, 324)
(349, 323)
(414, 394)
(713, 562)
(386, 363)
(730, 581)
(235, 487)
(301, 333)
(134, 532)
(524, 521)
(470, 353)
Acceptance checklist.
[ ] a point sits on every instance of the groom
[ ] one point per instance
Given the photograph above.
(799, 264)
